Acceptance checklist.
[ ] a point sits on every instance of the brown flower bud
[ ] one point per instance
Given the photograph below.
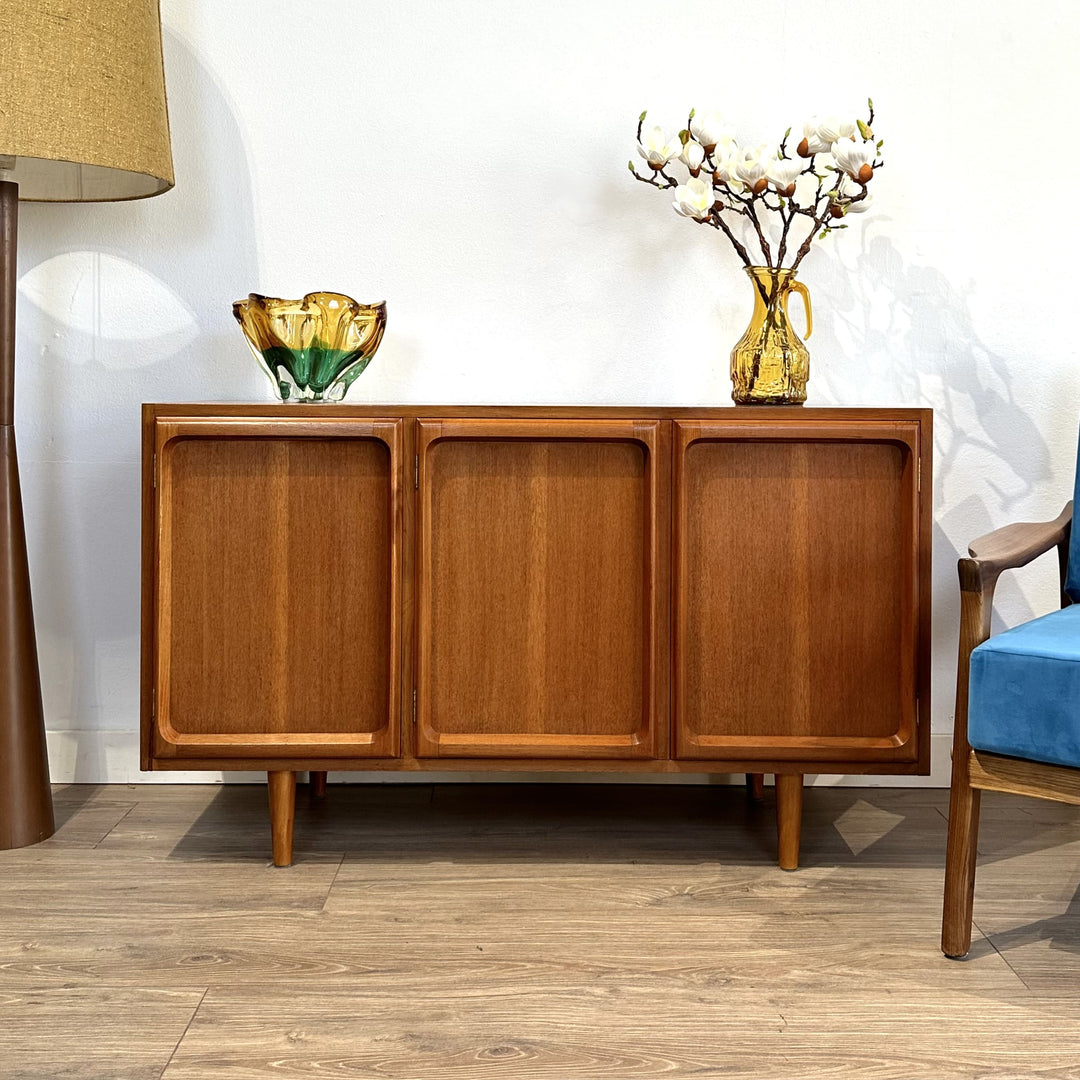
(760, 186)
(866, 174)
(803, 149)
(788, 191)
(836, 211)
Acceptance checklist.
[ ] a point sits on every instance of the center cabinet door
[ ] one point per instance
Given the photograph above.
(542, 589)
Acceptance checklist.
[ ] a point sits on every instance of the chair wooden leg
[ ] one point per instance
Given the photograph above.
(282, 787)
(755, 786)
(318, 785)
(789, 802)
(960, 867)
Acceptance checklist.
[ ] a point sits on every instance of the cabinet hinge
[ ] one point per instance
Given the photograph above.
(416, 473)
(414, 705)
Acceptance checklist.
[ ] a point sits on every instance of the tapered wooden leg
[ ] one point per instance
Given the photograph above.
(960, 866)
(282, 813)
(318, 785)
(755, 786)
(789, 799)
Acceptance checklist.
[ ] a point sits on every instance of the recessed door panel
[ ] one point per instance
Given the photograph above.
(278, 584)
(538, 590)
(796, 591)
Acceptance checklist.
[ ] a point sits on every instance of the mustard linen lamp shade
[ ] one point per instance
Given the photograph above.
(82, 100)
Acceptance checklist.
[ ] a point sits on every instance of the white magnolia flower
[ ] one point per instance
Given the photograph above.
(819, 135)
(710, 129)
(656, 148)
(855, 158)
(724, 172)
(832, 130)
(692, 156)
(850, 190)
(812, 143)
(782, 174)
(751, 166)
(694, 199)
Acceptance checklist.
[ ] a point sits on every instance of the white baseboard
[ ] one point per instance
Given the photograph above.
(112, 757)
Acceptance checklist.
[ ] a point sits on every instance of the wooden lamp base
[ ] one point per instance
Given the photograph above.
(26, 811)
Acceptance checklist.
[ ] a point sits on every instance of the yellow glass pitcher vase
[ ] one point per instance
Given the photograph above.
(770, 364)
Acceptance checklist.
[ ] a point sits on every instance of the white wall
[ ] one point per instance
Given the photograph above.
(466, 161)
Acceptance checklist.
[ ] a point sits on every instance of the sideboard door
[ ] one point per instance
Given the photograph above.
(277, 580)
(801, 613)
(542, 588)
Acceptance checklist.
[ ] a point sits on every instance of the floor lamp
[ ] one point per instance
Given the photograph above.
(82, 119)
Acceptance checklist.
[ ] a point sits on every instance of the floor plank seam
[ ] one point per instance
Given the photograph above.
(116, 825)
(187, 1028)
(1005, 959)
(333, 881)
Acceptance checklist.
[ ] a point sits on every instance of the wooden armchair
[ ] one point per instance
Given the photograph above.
(1017, 702)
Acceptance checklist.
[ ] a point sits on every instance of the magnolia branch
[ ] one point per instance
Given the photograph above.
(751, 182)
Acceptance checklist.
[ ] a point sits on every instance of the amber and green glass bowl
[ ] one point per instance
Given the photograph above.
(315, 348)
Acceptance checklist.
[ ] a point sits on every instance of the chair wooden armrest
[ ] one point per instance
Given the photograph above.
(1007, 548)
(1013, 546)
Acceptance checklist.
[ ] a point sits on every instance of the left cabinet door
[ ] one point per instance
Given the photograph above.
(276, 588)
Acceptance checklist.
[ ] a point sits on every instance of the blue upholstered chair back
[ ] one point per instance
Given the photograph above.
(1072, 578)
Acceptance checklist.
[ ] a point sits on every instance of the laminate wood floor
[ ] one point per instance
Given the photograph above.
(532, 932)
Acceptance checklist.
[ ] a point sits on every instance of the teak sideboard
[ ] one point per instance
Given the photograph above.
(683, 590)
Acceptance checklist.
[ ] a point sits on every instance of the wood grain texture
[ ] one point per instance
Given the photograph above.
(278, 581)
(789, 809)
(561, 1031)
(755, 786)
(85, 1033)
(492, 930)
(289, 749)
(610, 932)
(539, 608)
(515, 607)
(804, 640)
(274, 412)
(1015, 545)
(254, 760)
(992, 772)
(281, 787)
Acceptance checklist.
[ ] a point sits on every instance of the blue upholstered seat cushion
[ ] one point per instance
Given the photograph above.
(1025, 690)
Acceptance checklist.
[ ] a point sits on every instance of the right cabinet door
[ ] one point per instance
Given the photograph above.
(797, 588)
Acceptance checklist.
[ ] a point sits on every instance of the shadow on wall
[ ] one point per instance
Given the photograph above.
(909, 328)
(121, 303)
(908, 332)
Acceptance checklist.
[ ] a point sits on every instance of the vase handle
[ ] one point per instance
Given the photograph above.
(801, 289)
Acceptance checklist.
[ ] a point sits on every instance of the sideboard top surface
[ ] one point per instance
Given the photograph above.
(272, 410)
